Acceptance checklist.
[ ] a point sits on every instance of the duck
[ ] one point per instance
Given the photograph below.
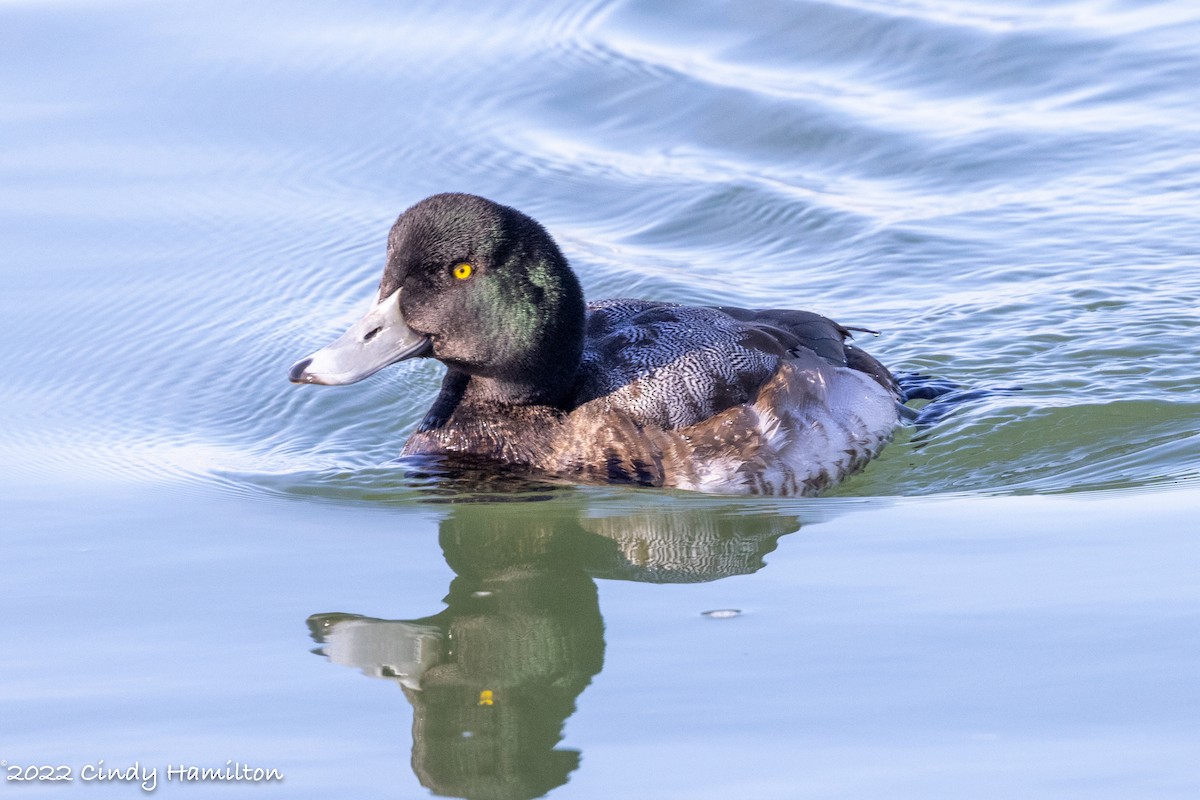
(716, 399)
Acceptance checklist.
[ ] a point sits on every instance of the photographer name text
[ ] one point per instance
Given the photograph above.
(145, 777)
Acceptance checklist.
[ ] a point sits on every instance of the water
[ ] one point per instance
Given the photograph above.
(195, 195)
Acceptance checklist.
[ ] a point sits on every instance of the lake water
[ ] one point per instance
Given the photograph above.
(205, 566)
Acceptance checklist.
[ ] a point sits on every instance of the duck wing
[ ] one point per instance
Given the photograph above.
(672, 366)
(669, 366)
(805, 331)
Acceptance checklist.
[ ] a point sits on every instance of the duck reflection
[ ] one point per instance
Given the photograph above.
(493, 678)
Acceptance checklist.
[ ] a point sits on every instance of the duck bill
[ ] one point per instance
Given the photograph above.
(377, 340)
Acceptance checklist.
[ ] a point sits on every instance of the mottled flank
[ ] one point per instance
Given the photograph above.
(621, 391)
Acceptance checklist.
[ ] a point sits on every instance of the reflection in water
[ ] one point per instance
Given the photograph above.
(493, 677)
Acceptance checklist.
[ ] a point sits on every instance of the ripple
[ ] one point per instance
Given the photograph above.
(1008, 191)
(1043, 447)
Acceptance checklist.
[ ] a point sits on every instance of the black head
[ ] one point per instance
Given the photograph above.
(493, 294)
(477, 285)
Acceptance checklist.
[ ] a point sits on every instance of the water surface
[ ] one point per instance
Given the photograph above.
(195, 195)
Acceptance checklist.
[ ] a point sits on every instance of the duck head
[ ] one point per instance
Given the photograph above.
(479, 286)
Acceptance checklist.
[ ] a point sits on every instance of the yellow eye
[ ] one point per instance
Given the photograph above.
(462, 271)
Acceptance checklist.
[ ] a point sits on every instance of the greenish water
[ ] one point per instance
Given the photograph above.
(203, 563)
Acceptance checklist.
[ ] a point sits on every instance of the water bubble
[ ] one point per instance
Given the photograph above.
(721, 613)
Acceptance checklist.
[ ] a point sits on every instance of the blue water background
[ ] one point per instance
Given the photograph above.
(193, 195)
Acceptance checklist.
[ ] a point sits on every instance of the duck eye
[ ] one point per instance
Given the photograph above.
(462, 271)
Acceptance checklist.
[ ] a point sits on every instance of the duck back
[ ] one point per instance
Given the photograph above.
(668, 365)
